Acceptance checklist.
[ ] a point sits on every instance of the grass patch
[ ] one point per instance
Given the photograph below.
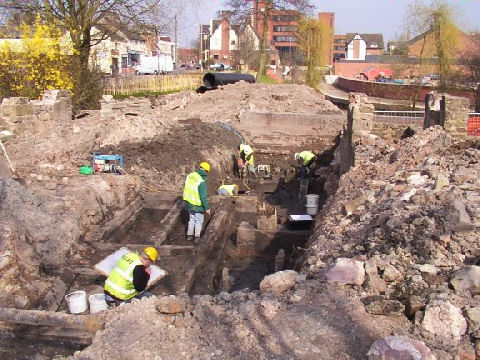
(265, 79)
(145, 94)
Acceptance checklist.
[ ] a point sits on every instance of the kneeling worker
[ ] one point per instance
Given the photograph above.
(228, 190)
(130, 277)
(196, 201)
(305, 159)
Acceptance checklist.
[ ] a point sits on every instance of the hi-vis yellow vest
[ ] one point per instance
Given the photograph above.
(306, 156)
(228, 188)
(120, 281)
(248, 151)
(190, 190)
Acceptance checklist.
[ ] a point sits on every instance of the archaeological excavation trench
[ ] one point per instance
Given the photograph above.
(246, 237)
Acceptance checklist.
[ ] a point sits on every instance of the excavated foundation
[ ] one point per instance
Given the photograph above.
(246, 238)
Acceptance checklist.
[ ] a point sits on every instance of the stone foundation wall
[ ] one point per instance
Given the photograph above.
(18, 114)
(392, 130)
(283, 133)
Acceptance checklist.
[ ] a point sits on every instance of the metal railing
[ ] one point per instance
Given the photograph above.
(400, 117)
(473, 124)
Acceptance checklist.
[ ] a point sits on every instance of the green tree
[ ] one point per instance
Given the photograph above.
(261, 11)
(314, 39)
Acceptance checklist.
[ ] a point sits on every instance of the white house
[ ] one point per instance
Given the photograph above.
(356, 49)
(118, 53)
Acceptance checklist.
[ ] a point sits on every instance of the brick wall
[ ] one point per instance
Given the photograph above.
(397, 92)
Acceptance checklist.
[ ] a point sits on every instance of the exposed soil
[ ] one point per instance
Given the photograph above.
(397, 226)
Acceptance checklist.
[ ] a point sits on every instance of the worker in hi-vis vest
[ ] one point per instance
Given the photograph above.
(248, 162)
(196, 201)
(228, 190)
(305, 160)
(130, 276)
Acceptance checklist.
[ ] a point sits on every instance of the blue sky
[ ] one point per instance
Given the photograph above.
(363, 16)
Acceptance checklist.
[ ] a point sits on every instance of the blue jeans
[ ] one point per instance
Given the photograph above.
(195, 223)
(110, 300)
(222, 192)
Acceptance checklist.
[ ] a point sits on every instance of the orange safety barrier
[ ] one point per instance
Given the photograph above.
(473, 126)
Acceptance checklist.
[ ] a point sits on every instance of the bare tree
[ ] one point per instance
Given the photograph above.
(261, 11)
(80, 17)
(248, 45)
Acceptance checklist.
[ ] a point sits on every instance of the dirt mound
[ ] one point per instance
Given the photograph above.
(227, 102)
(312, 322)
(41, 219)
(163, 161)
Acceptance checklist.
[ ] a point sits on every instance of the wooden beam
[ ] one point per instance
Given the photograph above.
(54, 297)
(49, 334)
(90, 323)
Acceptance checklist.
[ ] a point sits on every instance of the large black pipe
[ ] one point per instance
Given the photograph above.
(212, 80)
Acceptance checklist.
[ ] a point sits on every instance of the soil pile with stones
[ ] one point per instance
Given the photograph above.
(402, 232)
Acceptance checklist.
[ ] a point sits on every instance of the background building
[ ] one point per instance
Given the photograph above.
(327, 19)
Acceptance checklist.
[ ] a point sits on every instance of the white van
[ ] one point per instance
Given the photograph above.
(160, 64)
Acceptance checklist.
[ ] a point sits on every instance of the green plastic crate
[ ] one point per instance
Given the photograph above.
(86, 170)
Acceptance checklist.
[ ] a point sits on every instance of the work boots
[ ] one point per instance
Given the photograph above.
(189, 238)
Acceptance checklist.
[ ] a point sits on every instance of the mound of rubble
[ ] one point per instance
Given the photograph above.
(402, 232)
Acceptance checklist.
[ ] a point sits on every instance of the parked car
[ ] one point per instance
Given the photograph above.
(220, 67)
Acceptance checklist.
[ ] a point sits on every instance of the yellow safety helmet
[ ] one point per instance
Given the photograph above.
(205, 166)
(151, 252)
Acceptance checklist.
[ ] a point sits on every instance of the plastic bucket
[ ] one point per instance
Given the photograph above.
(312, 199)
(97, 303)
(312, 209)
(77, 301)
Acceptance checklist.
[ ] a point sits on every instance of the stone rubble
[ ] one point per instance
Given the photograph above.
(399, 347)
(410, 211)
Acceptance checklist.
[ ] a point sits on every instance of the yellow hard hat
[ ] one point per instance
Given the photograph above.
(205, 166)
(151, 252)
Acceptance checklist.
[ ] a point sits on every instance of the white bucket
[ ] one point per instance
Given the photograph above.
(77, 301)
(312, 199)
(312, 209)
(97, 303)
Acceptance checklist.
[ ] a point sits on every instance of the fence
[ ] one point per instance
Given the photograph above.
(473, 125)
(134, 84)
(400, 117)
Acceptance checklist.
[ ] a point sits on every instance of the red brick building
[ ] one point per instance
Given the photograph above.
(327, 19)
(282, 26)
